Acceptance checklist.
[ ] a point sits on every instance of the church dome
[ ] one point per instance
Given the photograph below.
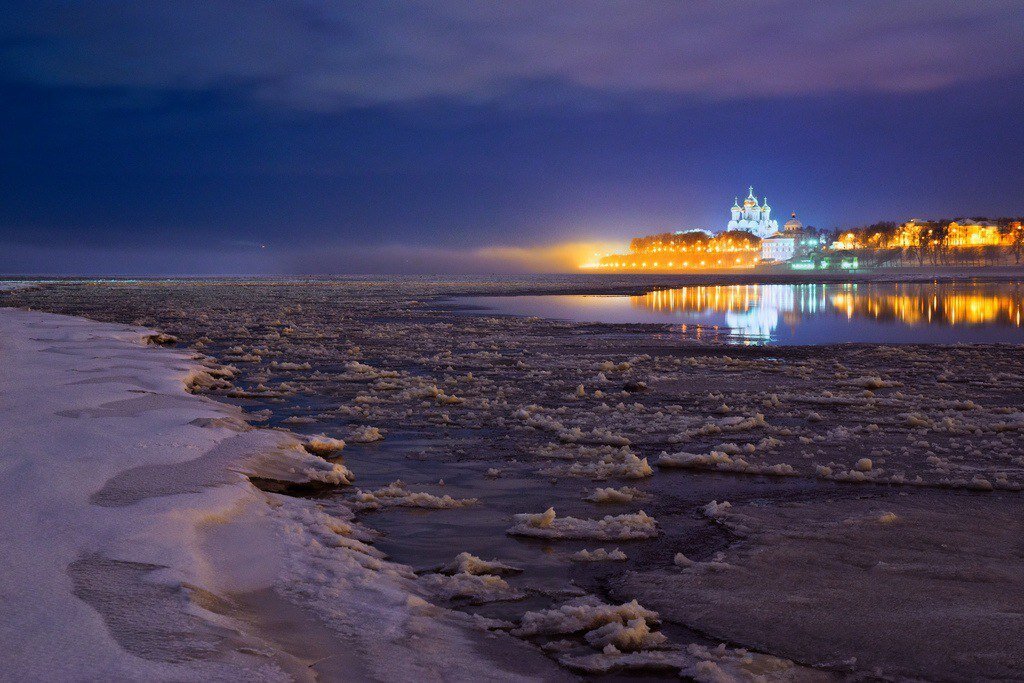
(793, 225)
(752, 218)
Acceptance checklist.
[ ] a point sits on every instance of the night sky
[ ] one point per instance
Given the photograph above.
(330, 137)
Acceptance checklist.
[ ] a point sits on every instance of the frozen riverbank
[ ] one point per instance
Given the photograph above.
(497, 425)
(135, 546)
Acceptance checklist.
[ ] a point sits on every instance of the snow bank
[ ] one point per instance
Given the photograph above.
(314, 468)
(128, 523)
(110, 486)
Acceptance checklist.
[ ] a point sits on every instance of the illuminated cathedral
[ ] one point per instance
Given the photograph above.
(753, 217)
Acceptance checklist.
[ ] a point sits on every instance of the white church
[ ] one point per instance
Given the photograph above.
(752, 217)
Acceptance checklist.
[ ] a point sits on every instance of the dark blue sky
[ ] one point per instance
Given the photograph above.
(289, 137)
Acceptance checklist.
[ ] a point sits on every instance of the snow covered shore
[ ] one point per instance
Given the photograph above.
(134, 543)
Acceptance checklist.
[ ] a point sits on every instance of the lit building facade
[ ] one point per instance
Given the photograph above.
(753, 217)
(960, 233)
(792, 242)
(741, 245)
(965, 233)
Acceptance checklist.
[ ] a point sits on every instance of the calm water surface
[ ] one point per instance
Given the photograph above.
(800, 314)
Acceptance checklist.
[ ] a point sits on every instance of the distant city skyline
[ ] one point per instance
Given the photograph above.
(422, 137)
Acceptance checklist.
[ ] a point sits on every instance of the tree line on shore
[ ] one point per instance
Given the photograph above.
(695, 240)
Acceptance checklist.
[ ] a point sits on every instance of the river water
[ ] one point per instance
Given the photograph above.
(801, 314)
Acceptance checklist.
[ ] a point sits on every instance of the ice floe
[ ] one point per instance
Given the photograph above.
(397, 494)
(609, 528)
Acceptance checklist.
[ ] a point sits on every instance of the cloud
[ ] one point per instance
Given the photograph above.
(225, 124)
(320, 55)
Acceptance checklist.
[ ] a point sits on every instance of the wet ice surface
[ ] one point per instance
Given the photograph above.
(801, 314)
(524, 415)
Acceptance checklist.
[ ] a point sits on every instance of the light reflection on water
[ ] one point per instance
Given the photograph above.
(802, 314)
